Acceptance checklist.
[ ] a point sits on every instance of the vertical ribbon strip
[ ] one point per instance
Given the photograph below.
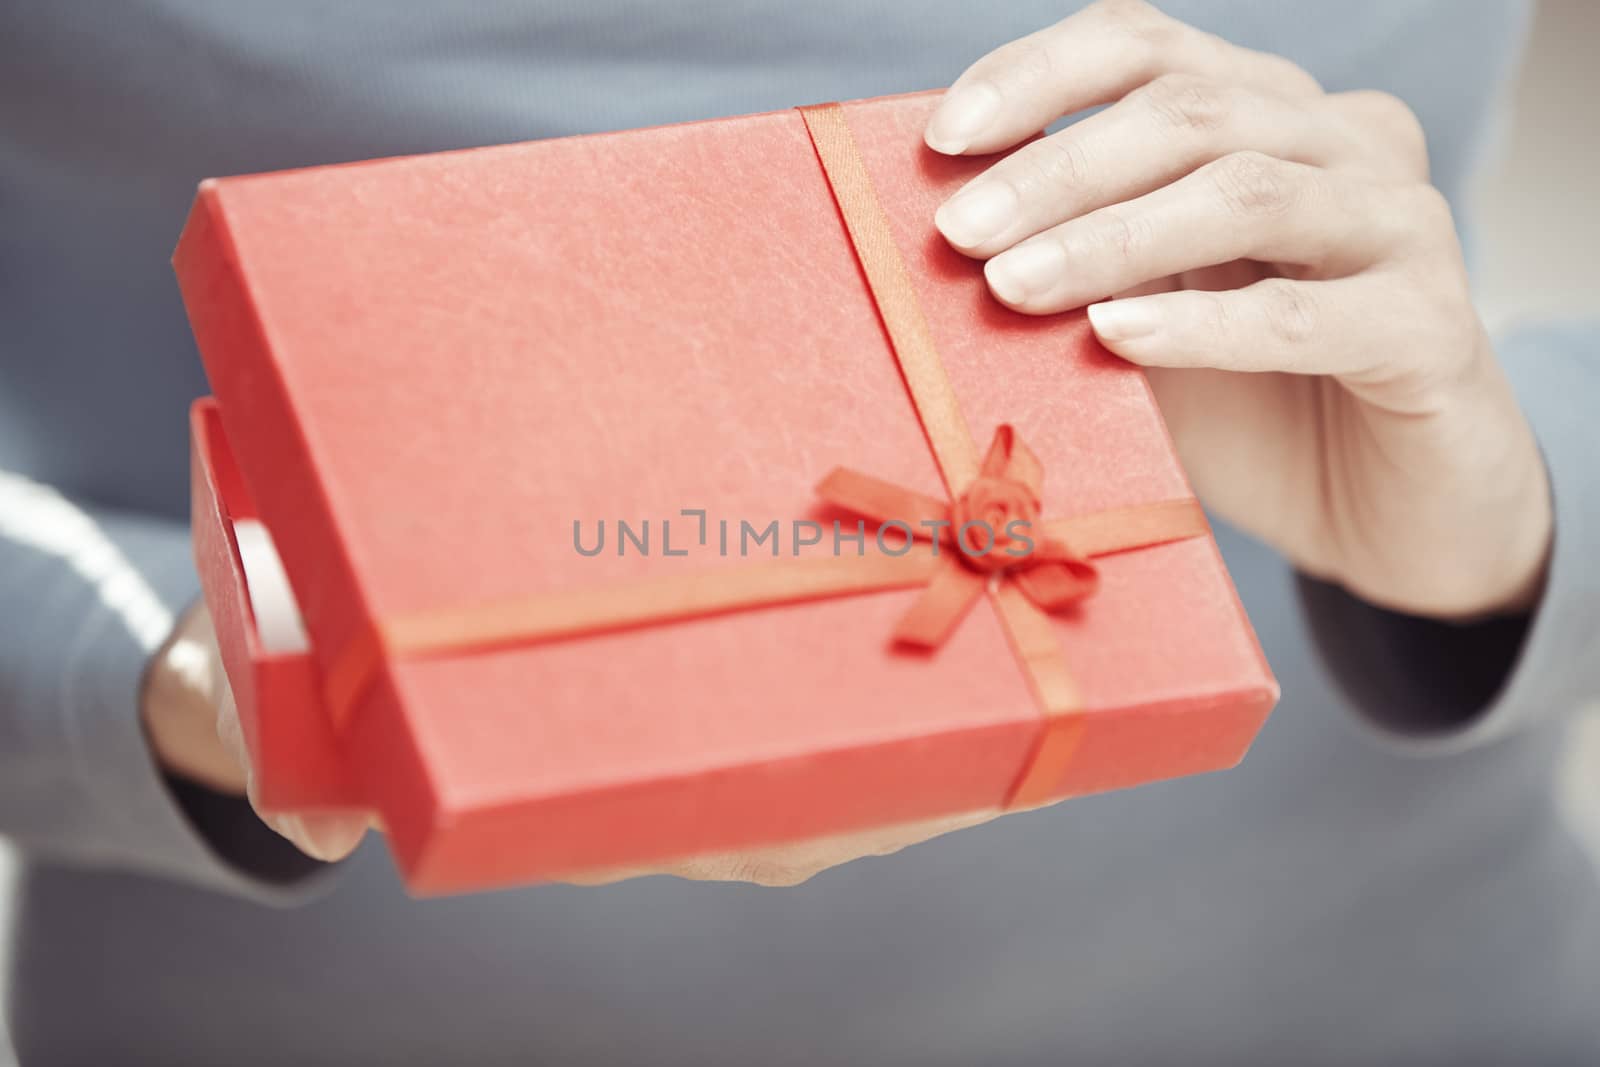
(1031, 634)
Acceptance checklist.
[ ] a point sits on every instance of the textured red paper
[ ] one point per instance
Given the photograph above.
(292, 746)
(428, 368)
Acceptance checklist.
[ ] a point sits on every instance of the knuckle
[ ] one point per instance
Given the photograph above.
(1023, 62)
(1142, 25)
(1217, 320)
(1439, 302)
(1057, 162)
(1185, 102)
(1123, 234)
(1291, 76)
(1289, 309)
(1425, 224)
(1398, 114)
(1396, 125)
(1066, 162)
(1432, 209)
(1253, 184)
(1127, 11)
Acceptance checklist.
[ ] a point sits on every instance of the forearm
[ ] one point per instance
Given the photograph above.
(92, 594)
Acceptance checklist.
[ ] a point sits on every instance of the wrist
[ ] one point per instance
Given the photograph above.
(1518, 501)
(1529, 544)
(1510, 520)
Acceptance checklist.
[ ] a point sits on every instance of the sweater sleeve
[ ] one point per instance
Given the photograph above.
(90, 594)
(1436, 686)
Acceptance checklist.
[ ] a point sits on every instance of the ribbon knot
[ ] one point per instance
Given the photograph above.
(989, 532)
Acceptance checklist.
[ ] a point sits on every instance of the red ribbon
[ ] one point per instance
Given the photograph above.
(991, 533)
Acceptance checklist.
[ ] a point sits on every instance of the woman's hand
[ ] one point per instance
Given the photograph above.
(1290, 279)
(1307, 328)
(193, 727)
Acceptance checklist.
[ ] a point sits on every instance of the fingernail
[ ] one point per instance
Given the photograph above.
(961, 117)
(978, 213)
(1123, 320)
(1026, 271)
(330, 837)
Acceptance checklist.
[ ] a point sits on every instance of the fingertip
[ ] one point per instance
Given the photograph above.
(1122, 324)
(1027, 278)
(1005, 288)
(1141, 330)
(943, 147)
(330, 838)
(962, 117)
(976, 220)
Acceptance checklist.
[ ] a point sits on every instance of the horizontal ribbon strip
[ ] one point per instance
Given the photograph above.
(667, 598)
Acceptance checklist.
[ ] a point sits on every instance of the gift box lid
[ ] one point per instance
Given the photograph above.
(441, 374)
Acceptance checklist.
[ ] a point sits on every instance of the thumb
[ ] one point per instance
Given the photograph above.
(329, 836)
(326, 836)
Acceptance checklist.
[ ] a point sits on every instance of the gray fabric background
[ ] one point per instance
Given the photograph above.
(1332, 900)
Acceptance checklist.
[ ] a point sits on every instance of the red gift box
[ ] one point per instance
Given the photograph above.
(437, 380)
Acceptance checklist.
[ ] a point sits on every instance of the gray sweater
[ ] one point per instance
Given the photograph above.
(1384, 880)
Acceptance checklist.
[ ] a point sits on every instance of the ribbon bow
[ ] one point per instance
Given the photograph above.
(991, 530)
